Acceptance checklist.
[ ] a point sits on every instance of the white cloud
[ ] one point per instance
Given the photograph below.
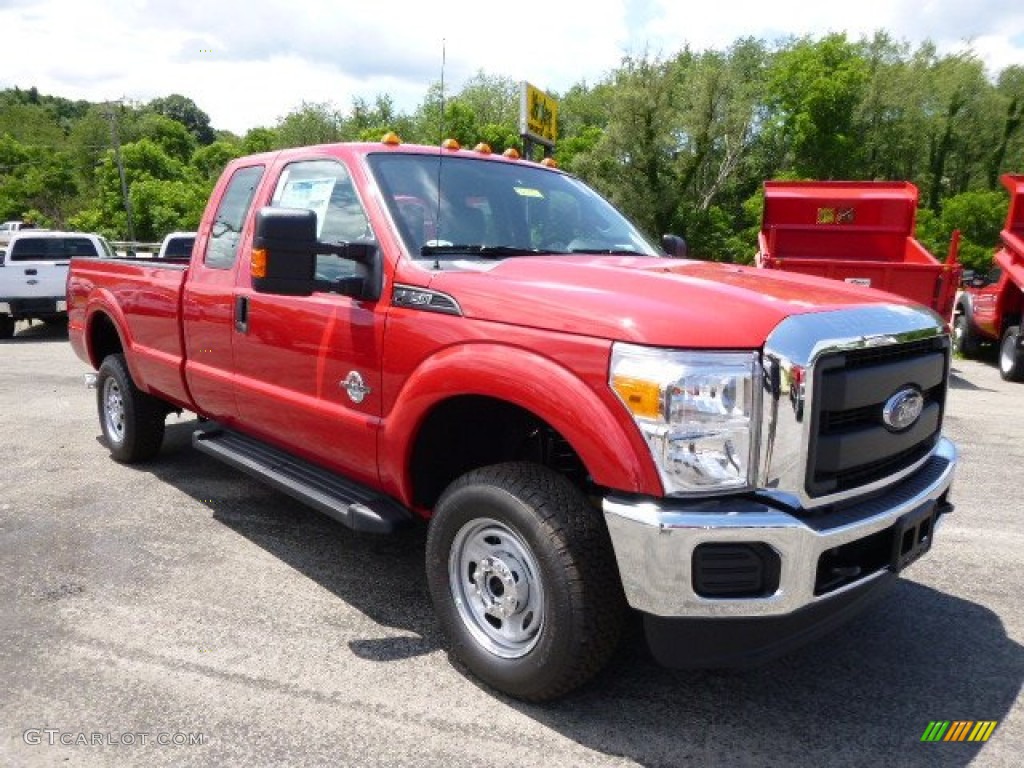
(248, 62)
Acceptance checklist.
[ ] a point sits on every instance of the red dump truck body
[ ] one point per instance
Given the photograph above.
(855, 231)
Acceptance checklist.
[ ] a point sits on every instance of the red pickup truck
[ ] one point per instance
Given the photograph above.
(395, 333)
(990, 307)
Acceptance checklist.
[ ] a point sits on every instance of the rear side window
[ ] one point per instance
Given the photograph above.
(227, 224)
(52, 248)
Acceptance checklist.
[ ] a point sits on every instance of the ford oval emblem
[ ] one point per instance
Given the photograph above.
(903, 409)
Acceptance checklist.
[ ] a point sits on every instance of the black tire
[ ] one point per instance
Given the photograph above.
(6, 327)
(499, 528)
(966, 340)
(1011, 355)
(132, 421)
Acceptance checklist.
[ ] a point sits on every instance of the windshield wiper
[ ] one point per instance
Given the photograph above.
(484, 251)
(609, 251)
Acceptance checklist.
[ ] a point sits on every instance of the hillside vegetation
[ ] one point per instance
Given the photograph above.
(681, 144)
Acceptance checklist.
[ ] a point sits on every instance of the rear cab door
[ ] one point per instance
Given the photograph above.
(208, 297)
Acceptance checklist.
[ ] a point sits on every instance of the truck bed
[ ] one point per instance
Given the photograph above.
(858, 232)
(145, 296)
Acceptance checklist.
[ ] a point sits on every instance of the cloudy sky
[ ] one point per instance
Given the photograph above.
(248, 62)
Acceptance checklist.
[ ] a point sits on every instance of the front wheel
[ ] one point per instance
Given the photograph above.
(965, 339)
(132, 421)
(523, 580)
(6, 327)
(1011, 355)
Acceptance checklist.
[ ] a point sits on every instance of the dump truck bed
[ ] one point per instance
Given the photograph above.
(858, 232)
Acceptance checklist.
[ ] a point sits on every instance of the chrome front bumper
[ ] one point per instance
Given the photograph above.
(654, 542)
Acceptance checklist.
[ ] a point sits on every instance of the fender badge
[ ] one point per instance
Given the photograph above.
(354, 386)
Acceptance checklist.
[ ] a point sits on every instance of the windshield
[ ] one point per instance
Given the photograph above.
(495, 210)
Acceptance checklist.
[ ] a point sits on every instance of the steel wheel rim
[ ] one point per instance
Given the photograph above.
(496, 585)
(958, 334)
(1007, 353)
(113, 410)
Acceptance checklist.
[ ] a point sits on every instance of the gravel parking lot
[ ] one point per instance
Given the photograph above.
(179, 613)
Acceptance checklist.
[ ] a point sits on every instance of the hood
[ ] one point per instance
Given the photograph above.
(655, 301)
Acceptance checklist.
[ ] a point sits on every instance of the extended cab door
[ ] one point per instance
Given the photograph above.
(309, 368)
(208, 305)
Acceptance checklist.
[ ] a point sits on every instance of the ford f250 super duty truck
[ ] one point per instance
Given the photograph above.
(392, 333)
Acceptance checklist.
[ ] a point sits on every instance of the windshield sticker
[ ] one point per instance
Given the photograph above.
(528, 192)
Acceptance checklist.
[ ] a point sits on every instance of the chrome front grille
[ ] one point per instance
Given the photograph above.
(828, 376)
(850, 446)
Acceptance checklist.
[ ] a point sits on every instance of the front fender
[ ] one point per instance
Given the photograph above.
(593, 422)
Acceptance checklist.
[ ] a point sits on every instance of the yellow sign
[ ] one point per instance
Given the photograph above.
(538, 115)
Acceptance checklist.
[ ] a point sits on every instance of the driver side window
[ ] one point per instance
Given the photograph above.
(325, 187)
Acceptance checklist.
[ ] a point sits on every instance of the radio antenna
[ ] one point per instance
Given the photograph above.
(440, 159)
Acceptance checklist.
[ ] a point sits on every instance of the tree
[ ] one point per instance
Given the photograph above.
(311, 123)
(170, 135)
(816, 87)
(210, 160)
(184, 110)
(633, 163)
(1011, 94)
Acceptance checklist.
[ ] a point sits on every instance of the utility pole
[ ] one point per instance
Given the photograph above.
(116, 141)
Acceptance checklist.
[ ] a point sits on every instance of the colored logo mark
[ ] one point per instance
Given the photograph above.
(959, 730)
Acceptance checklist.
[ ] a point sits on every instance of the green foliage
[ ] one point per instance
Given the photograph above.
(210, 160)
(680, 142)
(185, 112)
(311, 123)
(171, 136)
(162, 207)
(978, 215)
(816, 87)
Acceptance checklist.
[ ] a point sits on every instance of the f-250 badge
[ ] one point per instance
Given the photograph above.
(354, 386)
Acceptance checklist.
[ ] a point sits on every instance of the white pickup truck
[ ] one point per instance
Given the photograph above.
(8, 228)
(177, 245)
(34, 271)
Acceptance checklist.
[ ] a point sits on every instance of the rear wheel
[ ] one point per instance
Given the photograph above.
(965, 339)
(523, 580)
(6, 326)
(1011, 355)
(132, 421)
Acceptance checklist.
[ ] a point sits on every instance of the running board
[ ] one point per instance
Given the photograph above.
(351, 504)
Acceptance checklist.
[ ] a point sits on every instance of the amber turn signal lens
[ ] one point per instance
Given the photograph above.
(512, 153)
(643, 398)
(451, 144)
(258, 262)
(391, 139)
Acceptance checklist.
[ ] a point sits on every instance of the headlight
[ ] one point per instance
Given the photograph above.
(698, 412)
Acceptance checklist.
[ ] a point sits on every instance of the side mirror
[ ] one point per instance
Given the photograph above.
(284, 251)
(675, 246)
(284, 257)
